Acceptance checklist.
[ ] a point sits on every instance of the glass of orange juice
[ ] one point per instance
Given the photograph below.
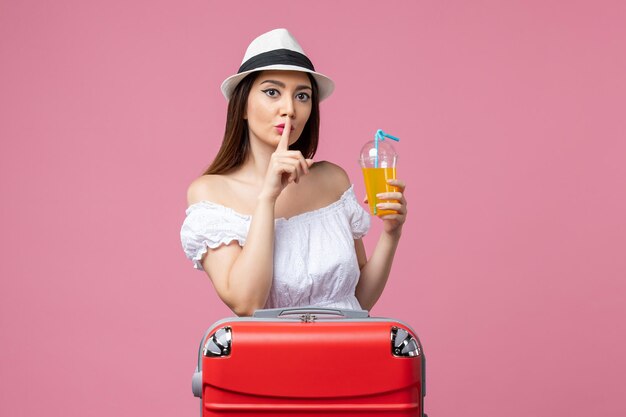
(378, 161)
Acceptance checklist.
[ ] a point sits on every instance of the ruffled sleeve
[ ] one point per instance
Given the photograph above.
(359, 217)
(209, 225)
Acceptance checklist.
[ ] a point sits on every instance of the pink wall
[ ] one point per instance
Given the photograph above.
(512, 265)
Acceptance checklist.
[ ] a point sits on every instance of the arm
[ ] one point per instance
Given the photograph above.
(242, 276)
(375, 271)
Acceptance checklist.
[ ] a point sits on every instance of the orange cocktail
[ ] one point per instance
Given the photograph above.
(376, 183)
(378, 161)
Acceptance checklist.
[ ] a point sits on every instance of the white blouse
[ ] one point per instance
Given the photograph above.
(315, 261)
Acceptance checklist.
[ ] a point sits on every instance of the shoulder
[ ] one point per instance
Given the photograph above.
(206, 187)
(332, 176)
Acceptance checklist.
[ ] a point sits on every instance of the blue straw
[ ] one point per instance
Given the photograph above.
(376, 146)
(380, 135)
(384, 135)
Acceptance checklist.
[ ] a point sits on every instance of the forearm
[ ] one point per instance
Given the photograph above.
(375, 272)
(250, 277)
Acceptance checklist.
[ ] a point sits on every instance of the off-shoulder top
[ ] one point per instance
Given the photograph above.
(315, 261)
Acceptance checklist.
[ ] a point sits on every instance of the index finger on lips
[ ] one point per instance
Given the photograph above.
(283, 144)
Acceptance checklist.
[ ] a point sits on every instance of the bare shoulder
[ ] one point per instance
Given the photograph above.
(332, 176)
(206, 187)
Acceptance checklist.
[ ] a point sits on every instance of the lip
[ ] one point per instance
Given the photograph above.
(282, 127)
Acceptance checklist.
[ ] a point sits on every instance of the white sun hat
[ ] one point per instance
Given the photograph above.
(276, 50)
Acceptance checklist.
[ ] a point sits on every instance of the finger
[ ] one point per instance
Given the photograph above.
(392, 206)
(298, 164)
(282, 167)
(398, 183)
(292, 154)
(398, 217)
(390, 196)
(304, 165)
(365, 200)
(308, 163)
(295, 173)
(299, 172)
(285, 168)
(283, 144)
(297, 155)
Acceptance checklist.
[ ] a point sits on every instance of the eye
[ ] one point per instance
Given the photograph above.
(271, 92)
(303, 96)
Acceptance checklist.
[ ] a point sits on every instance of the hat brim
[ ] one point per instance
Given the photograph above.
(324, 84)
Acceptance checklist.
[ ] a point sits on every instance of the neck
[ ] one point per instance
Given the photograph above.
(254, 168)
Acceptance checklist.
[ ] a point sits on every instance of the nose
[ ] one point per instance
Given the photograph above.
(287, 108)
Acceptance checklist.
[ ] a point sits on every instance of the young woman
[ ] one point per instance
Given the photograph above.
(271, 227)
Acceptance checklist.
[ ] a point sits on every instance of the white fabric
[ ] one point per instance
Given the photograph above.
(315, 262)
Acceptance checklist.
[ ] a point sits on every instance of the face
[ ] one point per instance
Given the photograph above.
(276, 95)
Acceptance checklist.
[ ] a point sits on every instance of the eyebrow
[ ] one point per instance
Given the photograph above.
(281, 84)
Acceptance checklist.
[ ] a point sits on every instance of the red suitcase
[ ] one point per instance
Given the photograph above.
(310, 361)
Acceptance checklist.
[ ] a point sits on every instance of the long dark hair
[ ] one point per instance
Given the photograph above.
(236, 143)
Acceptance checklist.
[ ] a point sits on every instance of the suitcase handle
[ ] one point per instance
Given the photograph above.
(272, 313)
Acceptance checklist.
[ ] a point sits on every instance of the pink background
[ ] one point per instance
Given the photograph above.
(511, 268)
